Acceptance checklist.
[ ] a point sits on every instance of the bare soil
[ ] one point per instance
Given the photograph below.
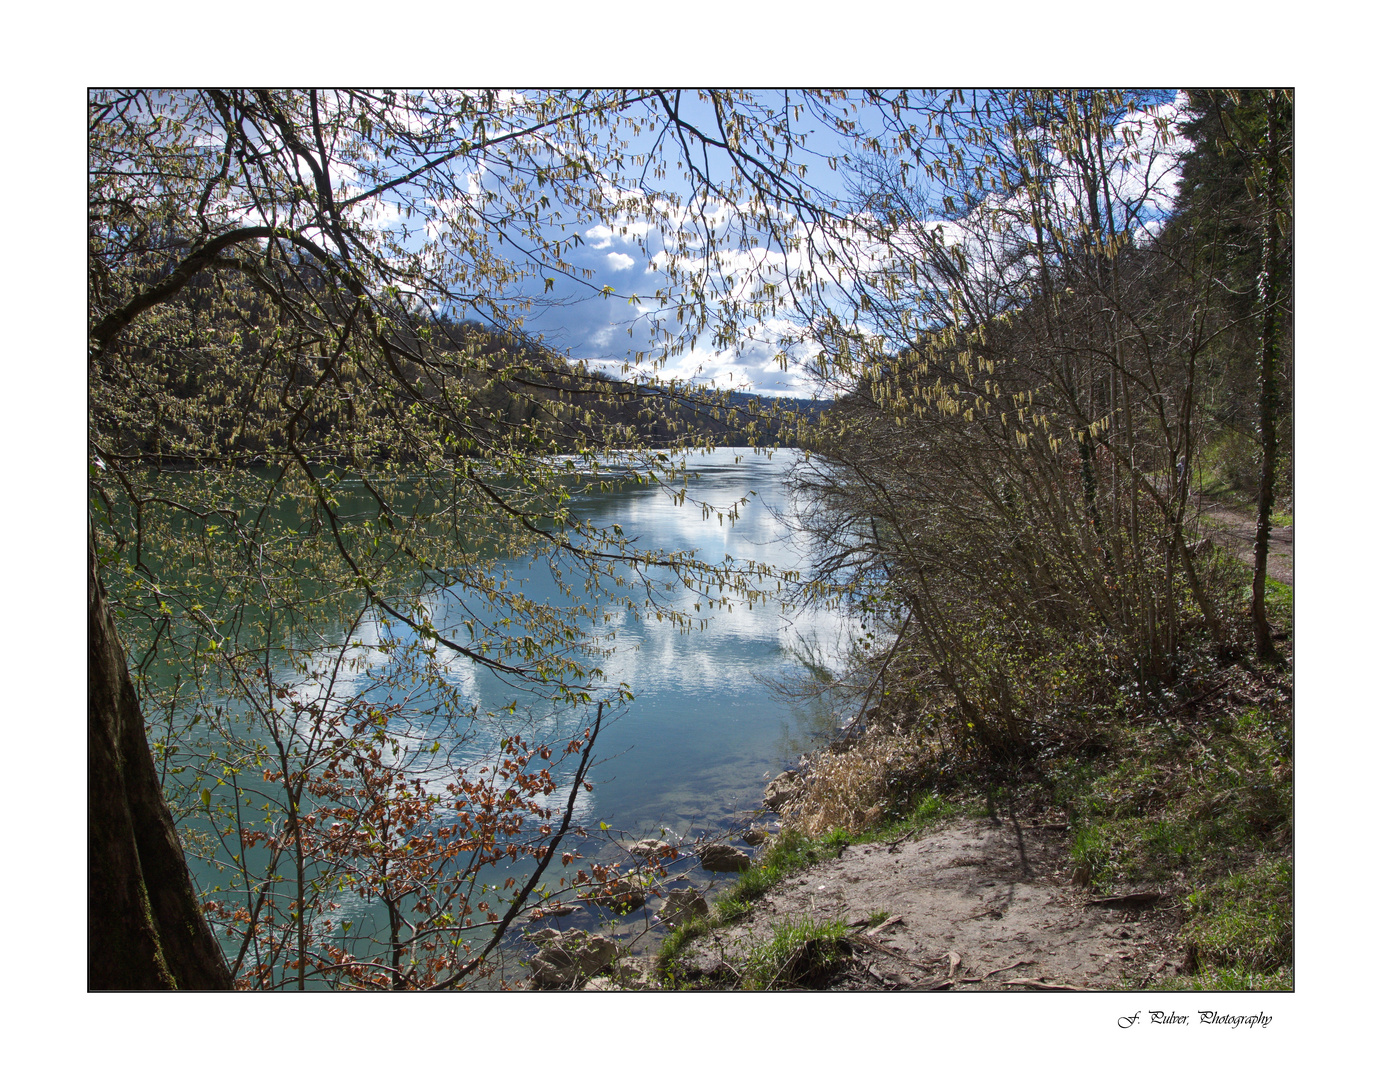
(970, 905)
(1235, 530)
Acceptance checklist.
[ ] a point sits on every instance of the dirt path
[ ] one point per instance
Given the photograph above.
(978, 905)
(970, 905)
(1236, 532)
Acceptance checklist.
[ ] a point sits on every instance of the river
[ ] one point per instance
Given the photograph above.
(706, 727)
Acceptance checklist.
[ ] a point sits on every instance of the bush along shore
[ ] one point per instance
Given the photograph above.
(1167, 832)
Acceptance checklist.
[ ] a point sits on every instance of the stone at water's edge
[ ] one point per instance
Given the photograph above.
(721, 858)
(780, 788)
(682, 905)
(632, 973)
(755, 837)
(623, 895)
(645, 849)
(567, 957)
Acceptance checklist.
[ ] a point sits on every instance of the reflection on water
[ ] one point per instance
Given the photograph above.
(705, 728)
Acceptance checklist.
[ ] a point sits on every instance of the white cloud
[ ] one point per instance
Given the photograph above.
(619, 260)
(752, 367)
(626, 230)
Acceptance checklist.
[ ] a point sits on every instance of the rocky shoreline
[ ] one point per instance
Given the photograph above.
(579, 959)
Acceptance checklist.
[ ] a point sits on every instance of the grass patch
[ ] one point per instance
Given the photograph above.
(1232, 980)
(790, 853)
(678, 939)
(929, 809)
(802, 953)
(1244, 922)
(1089, 854)
(1280, 600)
(729, 908)
(1199, 807)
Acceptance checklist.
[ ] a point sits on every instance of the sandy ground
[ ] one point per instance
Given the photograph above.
(971, 905)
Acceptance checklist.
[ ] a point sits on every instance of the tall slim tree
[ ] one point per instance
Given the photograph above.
(1270, 289)
(1235, 205)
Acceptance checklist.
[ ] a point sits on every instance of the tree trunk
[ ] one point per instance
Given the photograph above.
(1269, 296)
(145, 929)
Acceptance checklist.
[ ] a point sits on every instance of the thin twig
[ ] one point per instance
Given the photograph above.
(997, 971)
(887, 951)
(883, 926)
(893, 844)
(1124, 899)
(1034, 984)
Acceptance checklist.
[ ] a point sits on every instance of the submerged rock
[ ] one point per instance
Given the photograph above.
(682, 905)
(554, 910)
(565, 958)
(625, 894)
(721, 858)
(648, 849)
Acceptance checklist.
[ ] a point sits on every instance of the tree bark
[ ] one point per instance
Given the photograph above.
(1269, 296)
(145, 928)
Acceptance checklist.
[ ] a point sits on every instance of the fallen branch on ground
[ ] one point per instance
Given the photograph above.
(1124, 899)
(1037, 984)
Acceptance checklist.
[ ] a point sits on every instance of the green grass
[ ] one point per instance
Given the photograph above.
(1232, 980)
(1245, 921)
(929, 809)
(802, 953)
(1089, 854)
(789, 854)
(678, 939)
(1202, 810)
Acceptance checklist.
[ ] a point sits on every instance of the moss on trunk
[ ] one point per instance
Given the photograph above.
(145, 929)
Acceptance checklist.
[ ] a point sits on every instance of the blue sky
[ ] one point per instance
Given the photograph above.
(610, 329)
